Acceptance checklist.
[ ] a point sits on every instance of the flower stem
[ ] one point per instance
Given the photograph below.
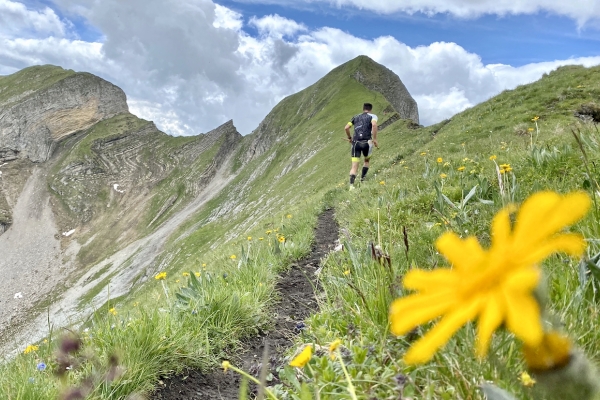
(351, 389)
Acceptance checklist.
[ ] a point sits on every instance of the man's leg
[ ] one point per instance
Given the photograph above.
(364, 169)
(354, 169)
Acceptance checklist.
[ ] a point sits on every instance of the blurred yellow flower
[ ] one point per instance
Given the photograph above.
(493, 157)
(281, 238)
(289, 216)
(249, 238)
(31, 348)
(497, 285)
(347, 272)
(226, 365)
(440, 160)
(443, 176)
(269, 232)
(465, 159)
(382, 183)
(461, 168)
(113, 311)
(261, 238)
(177, 281)
(233, 257)
(203, 265)
(535, 118)
(526, 379)
(197, 274)
(161, 276)
(423, 153)
(333, 347)
(186, 274)
(504, 166)
(530, 129)
(553, 352)
(303, 358)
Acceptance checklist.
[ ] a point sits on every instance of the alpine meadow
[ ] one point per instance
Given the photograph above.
(465, 266)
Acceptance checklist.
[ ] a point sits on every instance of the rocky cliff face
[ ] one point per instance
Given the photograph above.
(33, 123)
(83, 180)
(378, 78)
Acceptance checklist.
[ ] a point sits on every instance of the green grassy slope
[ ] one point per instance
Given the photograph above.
(30, 80)
(305, 169)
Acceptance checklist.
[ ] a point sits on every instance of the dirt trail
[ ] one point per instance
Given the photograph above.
(125, 265)
(297, 302)
(30, 253)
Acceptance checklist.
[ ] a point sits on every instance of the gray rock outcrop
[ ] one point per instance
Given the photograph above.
(378, 78)
(31, 127)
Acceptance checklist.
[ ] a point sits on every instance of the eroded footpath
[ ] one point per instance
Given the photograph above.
(297, 301)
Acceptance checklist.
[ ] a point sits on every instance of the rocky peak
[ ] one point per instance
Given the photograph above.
(378, 78)
(45, 114)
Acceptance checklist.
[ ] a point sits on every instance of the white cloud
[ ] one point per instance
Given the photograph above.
(276, 26)
(189, 66)
(580, 10)
(17, 21)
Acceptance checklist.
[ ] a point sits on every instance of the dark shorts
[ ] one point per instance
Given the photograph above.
(362, 148)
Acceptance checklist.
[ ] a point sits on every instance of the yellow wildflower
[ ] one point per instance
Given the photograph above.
(186, 274)
(440, 160)
(289, 216)
(530, 129)
(495, 285)
(233, 257)
(526, 379)
(347, 272)
(461, 168)
(423, 153)
(197, 274)
(261, 238)
(504, 166)
(553, 352)
(535, 118)
(303, 358)
(465, 159)
(161, 276)
(249, 238)
(269, 232)
(177, 281)
(333, 347)
(281, 238)
(493, 157)
(31, 348)
(443, 176)
(226, 365)
(203, 265)
(382, 183)
(113, 311)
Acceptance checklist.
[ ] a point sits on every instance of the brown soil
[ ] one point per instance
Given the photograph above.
(296, 288)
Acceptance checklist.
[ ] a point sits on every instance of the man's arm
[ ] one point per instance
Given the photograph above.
(374, 133)
(347, 129)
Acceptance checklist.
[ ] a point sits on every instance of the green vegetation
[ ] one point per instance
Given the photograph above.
(29, 80)
(197, 319)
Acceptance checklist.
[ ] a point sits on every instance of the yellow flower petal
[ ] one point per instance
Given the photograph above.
(490, 319)
(424, 349)
(523, 317)
(549, 212)
(419, 279)
(303, 358)
(454, 249)
(406, 313)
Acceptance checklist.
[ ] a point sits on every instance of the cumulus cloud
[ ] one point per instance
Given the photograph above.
(190, 66)
(18, 21)
(276, 26)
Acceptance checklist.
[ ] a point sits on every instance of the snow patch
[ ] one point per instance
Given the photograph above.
(69, 233)
(116, 187)
(18, 295)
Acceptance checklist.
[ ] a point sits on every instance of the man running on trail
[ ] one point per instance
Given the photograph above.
(365, 136)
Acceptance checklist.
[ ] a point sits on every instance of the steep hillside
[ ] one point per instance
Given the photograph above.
(82, 179)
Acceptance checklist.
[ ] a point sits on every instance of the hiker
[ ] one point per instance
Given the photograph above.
(365, 136)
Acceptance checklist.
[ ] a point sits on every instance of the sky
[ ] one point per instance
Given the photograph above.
(191, 65)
